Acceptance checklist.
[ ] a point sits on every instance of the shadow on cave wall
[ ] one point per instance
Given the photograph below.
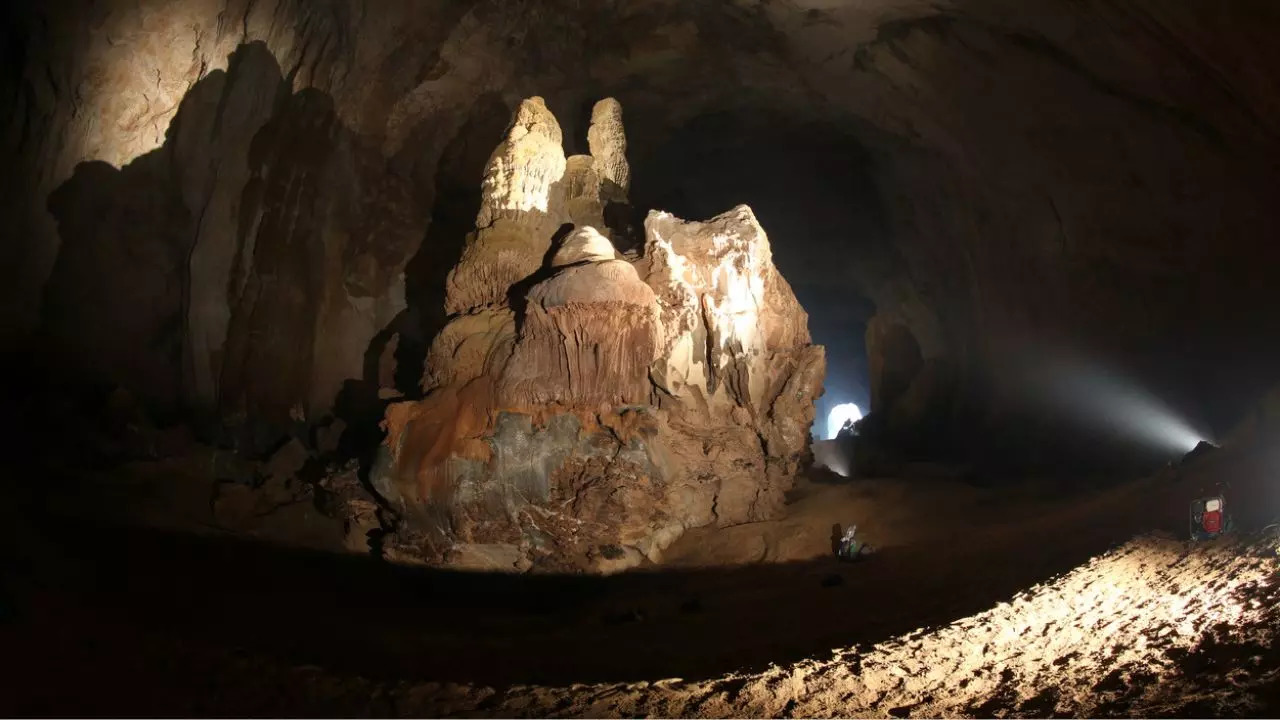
(126, 328)
(458, 193)
(266, 224)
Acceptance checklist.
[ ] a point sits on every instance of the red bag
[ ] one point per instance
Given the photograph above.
(1212, 521)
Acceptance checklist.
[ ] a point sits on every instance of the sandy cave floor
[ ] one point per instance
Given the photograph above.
(1027, 601)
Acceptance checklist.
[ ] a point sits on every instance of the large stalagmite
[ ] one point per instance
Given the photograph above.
(523, 194)
(583, 410)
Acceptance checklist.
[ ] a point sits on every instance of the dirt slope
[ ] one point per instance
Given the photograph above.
(1154, 628)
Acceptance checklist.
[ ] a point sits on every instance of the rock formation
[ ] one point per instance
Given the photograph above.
(583, 410)
(608, 142)
(522, 192)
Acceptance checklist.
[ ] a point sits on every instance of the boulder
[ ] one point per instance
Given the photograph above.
(582, 409)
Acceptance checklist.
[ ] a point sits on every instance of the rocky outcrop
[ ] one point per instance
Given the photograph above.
(583, 411)
(737, 355)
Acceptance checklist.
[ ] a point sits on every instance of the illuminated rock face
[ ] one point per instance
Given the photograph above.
(520, 211)
(582, 414)
(737, 357)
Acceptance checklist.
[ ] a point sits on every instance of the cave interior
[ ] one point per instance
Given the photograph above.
(1035, 242)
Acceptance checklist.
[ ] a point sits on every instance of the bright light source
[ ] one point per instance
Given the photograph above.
(840, 414)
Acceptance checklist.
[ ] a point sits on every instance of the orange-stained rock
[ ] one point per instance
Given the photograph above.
(580, 415)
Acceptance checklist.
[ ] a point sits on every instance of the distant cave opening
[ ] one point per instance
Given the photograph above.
(813, 188)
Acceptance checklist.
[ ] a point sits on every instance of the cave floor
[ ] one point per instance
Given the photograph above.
(979, 602)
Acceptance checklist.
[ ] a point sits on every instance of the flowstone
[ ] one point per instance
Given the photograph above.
(583, 411)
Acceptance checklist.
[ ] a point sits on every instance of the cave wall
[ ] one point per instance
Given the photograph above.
(1086, 181)
(1091, 188)
(215, 201)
